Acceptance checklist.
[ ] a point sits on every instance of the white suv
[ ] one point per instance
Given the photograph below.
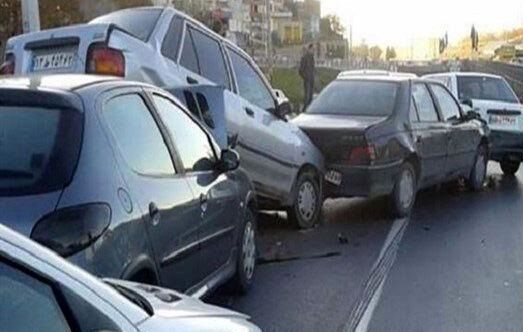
(494, 100)
(165, 47)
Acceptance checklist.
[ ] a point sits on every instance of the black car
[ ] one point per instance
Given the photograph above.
(393, 135)
(119, 178)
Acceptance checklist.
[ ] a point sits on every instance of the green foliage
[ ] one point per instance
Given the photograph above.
(331, 27)
(390, 53)
(288, 80)
(375, 53)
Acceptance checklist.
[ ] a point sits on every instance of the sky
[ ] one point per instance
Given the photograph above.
(402, 22)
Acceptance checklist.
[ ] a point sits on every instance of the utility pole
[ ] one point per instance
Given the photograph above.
(30, 16)
(268, 39)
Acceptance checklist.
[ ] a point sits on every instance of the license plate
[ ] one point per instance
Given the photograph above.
(333, 177)
(502, 120)
(52, 61)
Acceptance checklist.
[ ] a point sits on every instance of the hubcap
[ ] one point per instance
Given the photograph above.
(406, 188)
(307, 200)
(249, 251)
(481, 168)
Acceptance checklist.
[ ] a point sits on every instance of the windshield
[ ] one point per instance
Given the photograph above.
(138, 22)
(353, 97)
(485, 88)
(38, 148)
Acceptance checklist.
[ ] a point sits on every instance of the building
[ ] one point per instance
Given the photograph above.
(309, 13)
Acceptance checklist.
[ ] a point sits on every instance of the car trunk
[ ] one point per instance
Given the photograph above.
(500, 115)
(336, 135)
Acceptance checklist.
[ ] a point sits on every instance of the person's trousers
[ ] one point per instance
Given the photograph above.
(308, 86)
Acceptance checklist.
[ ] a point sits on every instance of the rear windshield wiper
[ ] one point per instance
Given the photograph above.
(15, 174)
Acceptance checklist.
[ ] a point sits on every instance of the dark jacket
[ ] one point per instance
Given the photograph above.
(306, 70)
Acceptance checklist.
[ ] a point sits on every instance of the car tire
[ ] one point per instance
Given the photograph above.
(306, 211)
(479, 169)
(509, 167)
(404, 192)
(247, 254)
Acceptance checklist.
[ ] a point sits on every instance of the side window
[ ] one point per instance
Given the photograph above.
(28, 304)
(171, 42)
(424, 104)
(191, 141)
(448, 106)
(413, 113)
(189, 58)
(210, 57)
(250, 84)
(137, 135)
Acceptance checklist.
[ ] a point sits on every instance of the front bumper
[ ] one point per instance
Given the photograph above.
(506, 145)
(362, 181)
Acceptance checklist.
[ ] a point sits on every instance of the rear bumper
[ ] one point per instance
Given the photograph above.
(362, 181)
(506, 144)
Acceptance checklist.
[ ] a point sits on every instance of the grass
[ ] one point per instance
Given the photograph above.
(289, 81)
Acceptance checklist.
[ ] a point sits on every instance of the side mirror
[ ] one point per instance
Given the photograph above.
(467, 102)
(472, 115)
(229, 161)
(283, 109)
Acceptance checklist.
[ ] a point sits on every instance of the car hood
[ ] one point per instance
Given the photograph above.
(335, 121)
(22, 212)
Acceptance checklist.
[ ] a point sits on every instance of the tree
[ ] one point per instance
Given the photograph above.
(331, 27)
(390, 53)
(361, 51)
(375, 53)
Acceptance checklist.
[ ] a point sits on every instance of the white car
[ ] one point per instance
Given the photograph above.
(166, 48)
(494, 100)
(40, 291)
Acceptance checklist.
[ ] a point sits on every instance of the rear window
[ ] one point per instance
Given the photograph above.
(353, 97)
(138, 22)
(485, 88)
(38, 149)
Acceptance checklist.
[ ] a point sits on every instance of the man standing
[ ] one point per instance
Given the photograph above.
(306, 71)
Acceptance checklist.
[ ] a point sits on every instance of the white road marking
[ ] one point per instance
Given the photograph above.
(361, 314)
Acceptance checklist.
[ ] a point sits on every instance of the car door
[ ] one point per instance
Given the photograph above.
(430, 136)
(170, 213)
(266, 143)
(215, 192)
(463, 137)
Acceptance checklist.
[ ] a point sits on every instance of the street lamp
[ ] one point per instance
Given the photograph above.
(30, 16)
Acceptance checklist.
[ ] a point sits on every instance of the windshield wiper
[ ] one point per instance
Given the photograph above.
(134, 298)
(15, 174)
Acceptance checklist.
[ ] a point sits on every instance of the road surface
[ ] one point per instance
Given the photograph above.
(455, 265)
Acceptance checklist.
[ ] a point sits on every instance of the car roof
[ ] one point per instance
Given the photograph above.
(463, 74)
(374, 72)
(384, 78)
(62, 82)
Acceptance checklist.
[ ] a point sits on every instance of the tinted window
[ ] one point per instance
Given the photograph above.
(191, 141)
(171, 42)
(138, 136)
(424, 103)
(28, 304)
(488, 88)
(356, 97)
(250, 84)
(210, 57)
(188, 58)
(38, 148)
(448, 106)
(138, 22)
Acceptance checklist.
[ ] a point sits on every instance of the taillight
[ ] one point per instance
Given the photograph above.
(8, 67)
(362, 155)
(103, 60)
(69, 230)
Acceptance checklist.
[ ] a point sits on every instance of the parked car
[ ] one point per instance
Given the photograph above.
(43, 292)
(168, 49)
(124, 182)
(495, 101)
(392, 135)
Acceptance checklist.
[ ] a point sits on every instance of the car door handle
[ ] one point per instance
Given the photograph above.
(249, 112)
(154, 213)
(191, 80)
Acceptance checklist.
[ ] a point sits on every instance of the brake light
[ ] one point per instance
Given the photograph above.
(362, 155)
(8, 67)
(103, 60)
(69, 230)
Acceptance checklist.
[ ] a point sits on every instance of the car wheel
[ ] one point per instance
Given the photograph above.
(306, 211)
(247, 254)
(509, 167)
(479, 169)
(404, 191)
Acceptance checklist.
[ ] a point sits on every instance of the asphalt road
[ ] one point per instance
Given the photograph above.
(456, 265)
